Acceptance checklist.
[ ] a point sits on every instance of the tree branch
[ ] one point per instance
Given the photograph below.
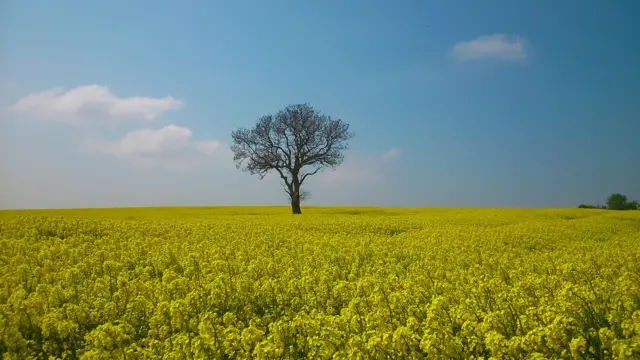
(309, 174)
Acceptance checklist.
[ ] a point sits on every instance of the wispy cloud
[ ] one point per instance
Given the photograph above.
(390, 154)
(496, 46)
(170, 147)
(365, 170)
(90, 102)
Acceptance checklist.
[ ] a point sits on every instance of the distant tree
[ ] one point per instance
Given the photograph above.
(619, 202)
(297, 142)
(584, 206)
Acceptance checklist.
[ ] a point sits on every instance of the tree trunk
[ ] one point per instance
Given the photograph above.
(295, 204)
(295, 196)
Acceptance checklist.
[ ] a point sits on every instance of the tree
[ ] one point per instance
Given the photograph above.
(617, 202)
(586, 206)
(297, 142)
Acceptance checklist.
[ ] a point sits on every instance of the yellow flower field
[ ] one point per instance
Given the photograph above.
(341, 283)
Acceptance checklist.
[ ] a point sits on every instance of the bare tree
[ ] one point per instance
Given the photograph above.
(297, 142)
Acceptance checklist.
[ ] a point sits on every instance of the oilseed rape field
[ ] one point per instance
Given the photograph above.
(332, 283)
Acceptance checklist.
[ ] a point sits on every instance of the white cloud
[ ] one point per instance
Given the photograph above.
(170, 147)
(363, 170)
(92, 101)
(496, 46)
(390, 154)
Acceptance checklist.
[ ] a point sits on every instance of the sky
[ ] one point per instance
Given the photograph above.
(453, 103)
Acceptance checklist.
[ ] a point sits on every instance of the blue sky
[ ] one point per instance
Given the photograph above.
(454, 103)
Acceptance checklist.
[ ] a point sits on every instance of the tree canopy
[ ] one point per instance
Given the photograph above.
(619, 202)
(615, 201)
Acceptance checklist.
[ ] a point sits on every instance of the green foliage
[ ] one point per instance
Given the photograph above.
(619, 202)
(260, 284)
(583, 206)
